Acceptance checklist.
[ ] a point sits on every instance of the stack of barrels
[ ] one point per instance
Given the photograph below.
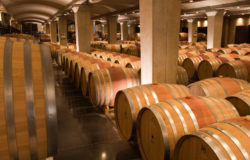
(228, 62)
(28, 116)
(169, 121)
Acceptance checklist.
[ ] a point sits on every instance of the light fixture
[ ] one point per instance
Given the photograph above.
(191, 1)
(238, 7)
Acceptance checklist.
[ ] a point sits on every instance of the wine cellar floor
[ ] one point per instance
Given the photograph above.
(84, 132)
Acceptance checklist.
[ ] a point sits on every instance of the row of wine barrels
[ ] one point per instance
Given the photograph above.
(28, 117)
(236, 69)
(218, 87)
(86, 70)
(105, 83)
(241, 101)
(160, 126)
(130, 101)
(228, 139)
(208, 67)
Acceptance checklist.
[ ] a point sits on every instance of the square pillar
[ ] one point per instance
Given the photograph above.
(53, 31)
(160, 24)
(215, 25)
(83, 27)
(192, 30)
(124, 31)
(47, 28)
(232, 31)
(132, 31)
(112, 29)
(63, 31)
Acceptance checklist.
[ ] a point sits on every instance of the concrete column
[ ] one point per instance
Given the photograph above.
(132, 31)
(192, 30)
(215, 25)
(112, 29)
(232, 31)
(83, 27)
(160, 24)
(225, 32)
(63, 31)
(47, 28)
(124, 31)
(53, 31)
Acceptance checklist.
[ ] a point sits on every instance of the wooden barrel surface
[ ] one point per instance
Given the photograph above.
(218, 87)
(229, 139)
(207, 68)
(191, 65)
(105, 83)
(128, 103)
(241, 101)
(135, 65)
(86, 70)
(160, 126)
(236, 69)
(28, 119)
(182, 76)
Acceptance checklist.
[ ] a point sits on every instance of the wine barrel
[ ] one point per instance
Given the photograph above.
(128, 103)
(88, 69)
(123, 60)
(105, 83)
(236, 69)
(28, 118)
(191, 65)
(207, 68)
(85, 61)
(160, 126)
(135, 65)
(182, 76)
(229, 57)
(225, 50)
(218, 87)
(241, 101)
(223, 140)
(241, 51)
(80, 57)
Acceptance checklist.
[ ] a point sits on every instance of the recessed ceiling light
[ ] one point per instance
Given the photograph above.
(238, 7)
(191, 1)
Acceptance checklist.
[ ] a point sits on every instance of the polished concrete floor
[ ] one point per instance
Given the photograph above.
(84, 132)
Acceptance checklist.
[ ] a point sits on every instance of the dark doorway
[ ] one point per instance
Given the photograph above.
(242, 34)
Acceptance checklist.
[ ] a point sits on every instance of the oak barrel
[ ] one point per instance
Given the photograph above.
(229, 139)
(241, 101)
(218, 87)
(105, 83)
(207, 68)
(236, 69)
(134, 65)
(160, 126)
(28, 116)
(128, 103)
(86, 70)
(191, 65)
(182, 76)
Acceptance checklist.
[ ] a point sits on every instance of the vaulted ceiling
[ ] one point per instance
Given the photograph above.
(43, 10)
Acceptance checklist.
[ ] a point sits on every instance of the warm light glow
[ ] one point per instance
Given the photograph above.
(199, 23)
(240, 22)
(205, 23)
(104, 155)
(248, 21)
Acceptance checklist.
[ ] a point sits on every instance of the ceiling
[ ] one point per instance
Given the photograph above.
(44, 10)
